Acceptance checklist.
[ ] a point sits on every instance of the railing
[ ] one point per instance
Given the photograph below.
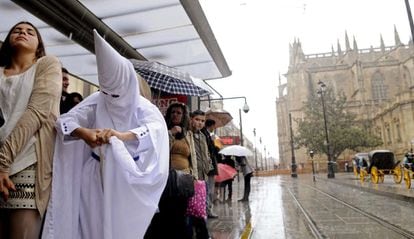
(360, 51)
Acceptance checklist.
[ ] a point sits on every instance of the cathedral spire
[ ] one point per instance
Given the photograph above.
(339, 49)
(382, 44)
(299, 48)
(347, 45)
(296, 52)
(397, 37)
(280, 80)
(355, 45)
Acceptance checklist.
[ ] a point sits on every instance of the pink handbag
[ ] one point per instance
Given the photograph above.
(197, 203)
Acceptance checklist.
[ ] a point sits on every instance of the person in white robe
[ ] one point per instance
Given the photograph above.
(111, 158)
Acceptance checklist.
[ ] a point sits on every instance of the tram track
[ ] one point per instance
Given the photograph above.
(319, 233)
(310, 223)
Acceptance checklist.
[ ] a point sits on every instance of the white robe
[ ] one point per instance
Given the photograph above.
(79, 207)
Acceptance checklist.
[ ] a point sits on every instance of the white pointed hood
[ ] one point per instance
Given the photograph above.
(131, 188)
(118, 83)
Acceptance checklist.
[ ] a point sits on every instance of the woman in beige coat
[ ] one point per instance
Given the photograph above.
(30, 88)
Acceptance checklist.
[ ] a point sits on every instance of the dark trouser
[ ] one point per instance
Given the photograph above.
(200, 227)
(247, 186)
(228, 183)
(170, 221)
(210, 194)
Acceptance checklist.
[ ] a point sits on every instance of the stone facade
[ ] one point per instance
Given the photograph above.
(378, 83)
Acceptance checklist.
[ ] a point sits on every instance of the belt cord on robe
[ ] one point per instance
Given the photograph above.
(95, 156)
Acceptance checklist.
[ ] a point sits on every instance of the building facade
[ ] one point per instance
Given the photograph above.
(377, 82)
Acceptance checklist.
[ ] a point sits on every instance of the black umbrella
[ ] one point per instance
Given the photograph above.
(168, 79)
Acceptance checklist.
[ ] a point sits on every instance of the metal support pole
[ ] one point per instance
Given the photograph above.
(255, 147)
(313, 171)
(410, 18)
(241, 128)
(261, 155)
(313, 165)
(293, 173)
(331, 173)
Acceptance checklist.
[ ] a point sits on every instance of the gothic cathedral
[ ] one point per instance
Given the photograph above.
(377, 82)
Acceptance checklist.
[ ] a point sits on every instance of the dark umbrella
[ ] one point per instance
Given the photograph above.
(221, 117)
(168, 79)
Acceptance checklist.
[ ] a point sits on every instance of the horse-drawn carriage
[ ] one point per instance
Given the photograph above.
(360, 160)
(381, 163)
(408, 164)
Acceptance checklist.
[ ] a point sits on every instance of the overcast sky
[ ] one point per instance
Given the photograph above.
(254, 36)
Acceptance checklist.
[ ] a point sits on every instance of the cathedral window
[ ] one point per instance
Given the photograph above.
(379, 89)
(379, 132)
(388, 135)
(398, 129)
(407, 78)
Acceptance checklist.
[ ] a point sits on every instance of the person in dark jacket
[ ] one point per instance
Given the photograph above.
(207, 130)
(229, 183)
(247, 171)
(65, 84)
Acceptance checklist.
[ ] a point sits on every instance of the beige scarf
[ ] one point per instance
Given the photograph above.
(13, 107)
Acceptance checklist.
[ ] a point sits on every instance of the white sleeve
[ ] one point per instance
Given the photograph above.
(143, 136)
(75, 118)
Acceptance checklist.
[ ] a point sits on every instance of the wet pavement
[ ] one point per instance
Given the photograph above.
(286, 207)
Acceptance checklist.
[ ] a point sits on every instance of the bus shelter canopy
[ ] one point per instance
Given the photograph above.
(173, 32)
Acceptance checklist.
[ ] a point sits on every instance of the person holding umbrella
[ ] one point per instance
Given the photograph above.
(228, 160)
(247, 171)
(240, 153)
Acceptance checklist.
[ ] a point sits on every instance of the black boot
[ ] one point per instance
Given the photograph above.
(243, 199)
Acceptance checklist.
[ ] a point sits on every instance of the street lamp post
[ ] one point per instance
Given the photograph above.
(241, 128)
(261, 156)
(313, 167)
(321, 92)
(255, 147)
(293, 173)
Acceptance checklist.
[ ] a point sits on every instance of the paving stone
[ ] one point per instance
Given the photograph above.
(274, 213)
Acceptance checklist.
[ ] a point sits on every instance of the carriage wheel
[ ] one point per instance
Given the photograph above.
(374, 174)
(362, 174)
(398, 174)
(355, 171)
(407, 179)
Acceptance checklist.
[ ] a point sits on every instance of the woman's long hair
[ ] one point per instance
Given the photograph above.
(185, 121)
(6, 50)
